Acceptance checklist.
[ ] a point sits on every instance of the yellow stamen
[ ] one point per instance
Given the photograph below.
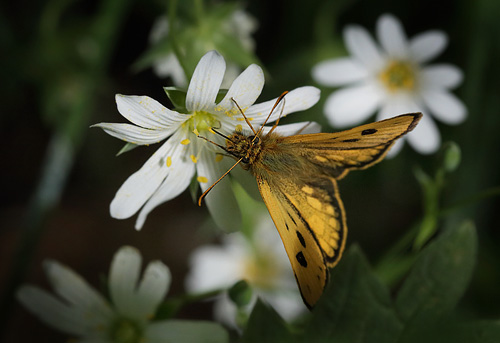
(218, 157)
(169, 161)
(202, 179)
(185, 141)
(194, 159)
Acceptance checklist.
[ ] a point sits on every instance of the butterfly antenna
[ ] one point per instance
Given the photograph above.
(244, 116)
(208, 140)
(281, 97)
(216, 182)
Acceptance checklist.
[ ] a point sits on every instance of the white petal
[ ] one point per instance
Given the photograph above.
(213, 267)
(295, 128)
(152, 290)
(134, 134)
(353, 105)
(169, 66)
(396, 148)
(178, 178)
(123, 278)
(185, 331)
(147, 112)
(338, 72)
(220, 201)
(205, 83)
(444, 106)
(425, 46)
(398, 104)
(141, 185)
(51, 311)
(76, 291)
(244, 90)
(363, 48)
(441, 76)
(425, 138)
(299, 99)
(392, 37)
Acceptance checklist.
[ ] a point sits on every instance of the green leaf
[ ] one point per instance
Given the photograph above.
(126, 148)
(186, 331)
(458, 331)
(177, 96)
(437, 281)
(266, 326)
(355, 307)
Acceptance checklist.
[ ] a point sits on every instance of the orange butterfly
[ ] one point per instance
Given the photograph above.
(297, 178)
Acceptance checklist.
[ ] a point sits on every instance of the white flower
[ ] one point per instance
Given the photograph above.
(239, 24)
(261, 261)
(170, 170)
(394, 79)
(79, 310)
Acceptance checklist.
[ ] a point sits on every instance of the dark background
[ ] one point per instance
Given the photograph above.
(381, 202)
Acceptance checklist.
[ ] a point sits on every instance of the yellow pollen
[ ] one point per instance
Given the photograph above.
(398, 75)
(202, 179)
(218, 157)
(169, 161)
(195, 131)
(194, 159)
(238, 128)
(185, 141)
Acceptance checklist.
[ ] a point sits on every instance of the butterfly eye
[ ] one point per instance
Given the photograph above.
(245, 160)
(256, 140)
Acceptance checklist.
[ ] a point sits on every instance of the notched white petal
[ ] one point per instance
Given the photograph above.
(338, 72)
(363, 48)
(426, 46)
(123, 278)
(134, 134)
(205, 83)
(152, 289)
(245, 90)
(299, 99)
(392, 37)
(147, 112)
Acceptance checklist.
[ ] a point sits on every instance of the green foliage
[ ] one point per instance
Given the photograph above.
(357, 307)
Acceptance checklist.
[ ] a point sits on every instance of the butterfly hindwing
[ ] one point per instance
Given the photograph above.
(357, 148)
(310, 218)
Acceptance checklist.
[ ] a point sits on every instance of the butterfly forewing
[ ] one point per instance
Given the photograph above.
(357, 148)
(310, 218)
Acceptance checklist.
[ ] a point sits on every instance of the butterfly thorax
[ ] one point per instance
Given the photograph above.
(246, 148)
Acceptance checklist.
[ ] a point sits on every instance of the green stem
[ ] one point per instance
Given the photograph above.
(172, 32)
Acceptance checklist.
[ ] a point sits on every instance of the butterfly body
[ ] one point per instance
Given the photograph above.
(297, 178)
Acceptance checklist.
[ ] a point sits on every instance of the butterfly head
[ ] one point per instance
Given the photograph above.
(246, 148)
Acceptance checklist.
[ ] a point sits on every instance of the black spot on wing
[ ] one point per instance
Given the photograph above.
(301, 259)
(351, 140)
(368, 132)
(287, 229)
(301, 239)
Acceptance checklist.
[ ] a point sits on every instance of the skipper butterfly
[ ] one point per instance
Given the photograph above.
(297, 178)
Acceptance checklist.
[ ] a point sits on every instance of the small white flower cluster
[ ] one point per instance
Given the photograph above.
(128, 317)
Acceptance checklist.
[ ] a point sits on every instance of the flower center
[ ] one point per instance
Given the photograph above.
(202, 121)
(125, 330)
(261, 270)
(398, 76)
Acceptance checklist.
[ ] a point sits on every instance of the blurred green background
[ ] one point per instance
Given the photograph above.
(62, 62)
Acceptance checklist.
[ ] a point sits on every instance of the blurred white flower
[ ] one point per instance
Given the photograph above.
(79, 310)
(239, 24)
(261, 261)
(394, 79)
(170, 170)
